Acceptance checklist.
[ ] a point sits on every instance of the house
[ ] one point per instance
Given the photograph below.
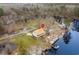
(39, 32)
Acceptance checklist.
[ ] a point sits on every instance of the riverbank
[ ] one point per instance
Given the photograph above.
(52, 38)
(30, 45)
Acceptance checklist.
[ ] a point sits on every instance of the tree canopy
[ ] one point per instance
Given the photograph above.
(1, 12)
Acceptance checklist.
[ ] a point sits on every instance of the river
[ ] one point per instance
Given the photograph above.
(67, 47)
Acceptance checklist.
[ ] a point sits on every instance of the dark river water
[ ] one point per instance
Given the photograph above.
(67, 47)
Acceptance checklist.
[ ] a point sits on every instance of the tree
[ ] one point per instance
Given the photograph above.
(1, 28)
(1, 12)
(76, 11)
(63, 10)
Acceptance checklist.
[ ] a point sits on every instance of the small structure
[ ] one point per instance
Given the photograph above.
(39, 32)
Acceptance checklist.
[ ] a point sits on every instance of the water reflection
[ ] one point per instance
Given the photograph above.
(54, 49)
(67, 37)
(76, 25)
(69, 46)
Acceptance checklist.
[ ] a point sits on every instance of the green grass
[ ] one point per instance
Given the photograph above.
(24, 42)
(33, 23)
(67, 21)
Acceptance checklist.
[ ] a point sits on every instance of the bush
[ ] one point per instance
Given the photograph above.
(67, 21)
(76, 11)
(1, 12)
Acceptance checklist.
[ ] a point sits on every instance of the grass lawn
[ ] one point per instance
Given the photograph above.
(23, 42)
(67, 21)
(33, 23)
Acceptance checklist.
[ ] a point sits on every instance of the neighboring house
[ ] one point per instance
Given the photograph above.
(39, 32)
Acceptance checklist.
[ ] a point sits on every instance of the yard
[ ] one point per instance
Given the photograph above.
(24, 42)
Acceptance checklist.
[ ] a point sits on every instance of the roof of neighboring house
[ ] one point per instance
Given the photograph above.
(39, 32)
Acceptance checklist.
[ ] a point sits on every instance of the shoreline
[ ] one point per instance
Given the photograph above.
(51, 42)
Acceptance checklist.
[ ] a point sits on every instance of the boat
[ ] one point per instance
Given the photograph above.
(56, 47)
